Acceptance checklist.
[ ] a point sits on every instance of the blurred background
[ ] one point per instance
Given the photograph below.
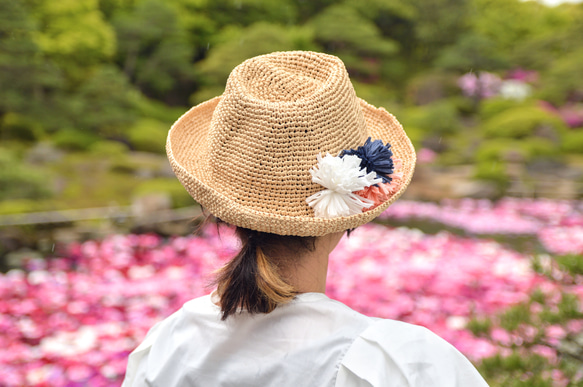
(489, 91)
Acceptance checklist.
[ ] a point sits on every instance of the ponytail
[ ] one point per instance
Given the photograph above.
(252, 280)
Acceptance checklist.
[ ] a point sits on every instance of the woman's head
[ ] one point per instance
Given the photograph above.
(288, 154)
(257, 156)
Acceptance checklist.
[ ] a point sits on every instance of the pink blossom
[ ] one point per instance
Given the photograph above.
(572, 115)
(74, 320)
(483, 85)
(501, 336)
(426, 156)
(523, 75)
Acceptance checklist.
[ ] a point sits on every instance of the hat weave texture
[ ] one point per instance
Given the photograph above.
(246, 155)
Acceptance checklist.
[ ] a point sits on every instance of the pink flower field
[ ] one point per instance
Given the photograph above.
(73, 320)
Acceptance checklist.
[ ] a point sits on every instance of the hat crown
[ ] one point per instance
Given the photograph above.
(278, 112)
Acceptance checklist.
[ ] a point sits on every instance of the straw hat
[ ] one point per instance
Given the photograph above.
(246, 155)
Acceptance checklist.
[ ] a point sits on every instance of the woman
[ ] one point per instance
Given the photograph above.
(292, 158)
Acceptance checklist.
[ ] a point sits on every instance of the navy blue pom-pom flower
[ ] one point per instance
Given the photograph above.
(375, 157)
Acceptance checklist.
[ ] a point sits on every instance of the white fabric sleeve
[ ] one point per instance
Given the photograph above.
(138, 359)
(397, 354)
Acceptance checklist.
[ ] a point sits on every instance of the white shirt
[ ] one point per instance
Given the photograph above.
(312, 341)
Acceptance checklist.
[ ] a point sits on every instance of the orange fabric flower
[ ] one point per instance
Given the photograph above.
(382, 191)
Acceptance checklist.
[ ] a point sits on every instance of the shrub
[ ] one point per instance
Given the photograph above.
(572, 141)
(74, 140)
(171, 186)
(107, 148)
(16, 127)
(430, 87)
(415, 135)
(17, 181)
(377, 95)
(525, 150)
(490, 108)
(494, 171)
(521, 122)
(18, 206)
(438, 118)
(496, 150)
(563, 81)
(541, 337)
(148, 135)
(536, 147)
(151, 108)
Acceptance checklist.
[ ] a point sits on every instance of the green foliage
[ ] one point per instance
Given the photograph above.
(150, 108)
(376, 94)
(247, 12)
(107, 148)
(148, 135)
(340, 28)
(14, 126)
(572, 141)
(542, 347)
(557, 34)
(511, 319)
(74, 34)
(154, 51)
(179, 196)
(537, 147)
(103, 104)
(473, 51)
(432, 86)
(568, 308)
(438, 23)
(438, 118)
(522, 122)
(515, 150)
(494, 171)
(235, 44)
(18, 181)
(517, 370)
(572, 263)
(479, 326)
(395, 20)
(563, 81)
(495, 150)
(19, 206)
(24, 77)
(491, 107)
(111, 69)
(506, 22)
(74, 140)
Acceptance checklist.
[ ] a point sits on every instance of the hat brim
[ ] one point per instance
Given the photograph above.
(187, 147)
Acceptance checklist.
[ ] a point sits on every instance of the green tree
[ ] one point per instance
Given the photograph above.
(18, 181)
(473, 51)
(343, 31)
(74, 34)
(530, 33)
(104, 104)
(154, 50)
(438, 24)
(247, 12)
(24, 78)
(563, 81)
(235, 44)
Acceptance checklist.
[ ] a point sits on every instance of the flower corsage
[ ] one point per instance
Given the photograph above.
(356, 180)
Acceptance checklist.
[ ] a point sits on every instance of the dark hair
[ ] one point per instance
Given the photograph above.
(252, 279)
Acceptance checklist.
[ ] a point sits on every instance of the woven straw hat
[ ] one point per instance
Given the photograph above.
(246, 155)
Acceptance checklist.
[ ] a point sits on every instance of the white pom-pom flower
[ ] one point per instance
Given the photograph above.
(341, 176)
